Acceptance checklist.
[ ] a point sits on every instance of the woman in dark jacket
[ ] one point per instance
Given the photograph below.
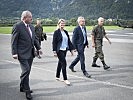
(61, 43)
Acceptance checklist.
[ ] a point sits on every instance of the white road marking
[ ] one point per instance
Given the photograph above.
(118, 35)
(118, 40)
(129, 33)
(110, 31)
(103, 82)
(91, 79)
(121, 40)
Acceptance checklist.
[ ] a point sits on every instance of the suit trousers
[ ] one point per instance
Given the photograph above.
(80, 57)
(61, 64)
(26, 68)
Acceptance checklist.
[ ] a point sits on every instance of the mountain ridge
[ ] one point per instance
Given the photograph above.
(68, 8)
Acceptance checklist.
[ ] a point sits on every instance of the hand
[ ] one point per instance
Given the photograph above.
(15, 56)
(93, 45)
(55, 54)
(109, 41)
(72, 52)
(40, 52)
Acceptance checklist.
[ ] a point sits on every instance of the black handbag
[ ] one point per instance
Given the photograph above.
(44, 36)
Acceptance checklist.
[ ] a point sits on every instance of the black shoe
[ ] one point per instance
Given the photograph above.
(72, 69)
(105, 67)
(23, 90)
(95, 65)
(28, 95)
(87, 75)
(39, 56)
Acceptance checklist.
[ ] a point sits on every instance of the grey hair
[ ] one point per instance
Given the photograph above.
(25, 14)
(100, 18)
(79, 18)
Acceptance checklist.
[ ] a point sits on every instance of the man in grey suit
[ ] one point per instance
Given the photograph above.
(23, 44)
(79, 40)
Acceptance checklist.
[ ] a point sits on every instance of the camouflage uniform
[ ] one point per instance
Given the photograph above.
(39, 32)
(98, 32)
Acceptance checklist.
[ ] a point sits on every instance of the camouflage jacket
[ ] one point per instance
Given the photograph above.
(98, 32)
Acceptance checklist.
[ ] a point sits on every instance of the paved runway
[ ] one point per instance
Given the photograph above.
(115, 84)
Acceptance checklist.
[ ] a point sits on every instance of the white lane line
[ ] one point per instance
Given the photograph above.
(110, 31)
(129, 33)
(10, 61)
(103, 82)
(117, 35)
(121, 40)
(118, 40)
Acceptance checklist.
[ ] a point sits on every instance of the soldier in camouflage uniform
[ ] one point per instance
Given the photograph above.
(98, 33)
(39, 31)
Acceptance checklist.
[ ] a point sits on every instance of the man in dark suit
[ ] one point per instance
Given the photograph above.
(80, 41)
(23, 41)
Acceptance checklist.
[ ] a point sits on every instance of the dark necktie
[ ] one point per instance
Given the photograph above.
(29, 30)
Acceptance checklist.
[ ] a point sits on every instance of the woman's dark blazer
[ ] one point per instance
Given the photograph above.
(57, 41)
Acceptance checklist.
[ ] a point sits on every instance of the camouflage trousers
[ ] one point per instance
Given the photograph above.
(98, 51)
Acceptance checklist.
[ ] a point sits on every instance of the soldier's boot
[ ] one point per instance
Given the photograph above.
(94, 63)
(105, 66)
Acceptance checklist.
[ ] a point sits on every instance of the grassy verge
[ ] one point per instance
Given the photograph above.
(5, 30)
(49, 29)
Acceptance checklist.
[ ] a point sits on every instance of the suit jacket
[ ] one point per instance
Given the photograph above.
(22, 43)
(57, 41)
(78, 39)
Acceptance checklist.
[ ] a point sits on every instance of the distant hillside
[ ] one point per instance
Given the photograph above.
(68, 8)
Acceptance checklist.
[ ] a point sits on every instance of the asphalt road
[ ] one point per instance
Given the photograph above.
(115, 84)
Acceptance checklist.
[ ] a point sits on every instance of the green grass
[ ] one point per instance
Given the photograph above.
(5, 30)
(49, 29)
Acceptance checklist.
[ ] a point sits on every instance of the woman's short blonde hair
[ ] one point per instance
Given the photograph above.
(60, 20)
